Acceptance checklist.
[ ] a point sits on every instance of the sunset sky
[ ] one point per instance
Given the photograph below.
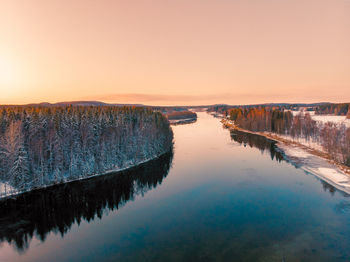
(175, 52)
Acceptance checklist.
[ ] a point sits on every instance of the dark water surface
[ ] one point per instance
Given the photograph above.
(220, 197)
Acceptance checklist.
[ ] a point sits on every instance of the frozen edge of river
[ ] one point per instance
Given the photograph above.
(316, 166)
(295, 154)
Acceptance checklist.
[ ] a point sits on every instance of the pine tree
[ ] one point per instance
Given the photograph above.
(19, 173)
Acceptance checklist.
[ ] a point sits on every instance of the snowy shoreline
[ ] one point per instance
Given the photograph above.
(108, 172)
(306, 159)
(183, 121)
(316, 165)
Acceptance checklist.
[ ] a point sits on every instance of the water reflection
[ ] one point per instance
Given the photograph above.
(266, 145)
(260, 142)
(58, 208)
(342, 207)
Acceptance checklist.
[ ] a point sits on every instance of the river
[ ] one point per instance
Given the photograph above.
(220, 196)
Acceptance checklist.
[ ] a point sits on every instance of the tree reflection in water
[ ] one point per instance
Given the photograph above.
(260, 142)
(267, 145)
(59, 207)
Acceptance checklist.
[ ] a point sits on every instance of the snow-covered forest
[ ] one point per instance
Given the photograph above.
(42, 146)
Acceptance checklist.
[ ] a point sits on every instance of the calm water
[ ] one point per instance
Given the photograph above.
(220, 196)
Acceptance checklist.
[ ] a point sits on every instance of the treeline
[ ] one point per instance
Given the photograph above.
(281, 106)
(335, 139)
(178, 115)
(334, 109)
(42, 146)
(262, 119)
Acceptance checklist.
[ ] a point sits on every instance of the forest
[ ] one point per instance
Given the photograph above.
(338, 109)
(41, 146)
(178, 115)
(332, 137)
(281, 106)
(341, 109)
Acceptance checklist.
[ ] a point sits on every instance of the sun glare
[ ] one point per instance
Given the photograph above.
(8, 80)
(7, 72)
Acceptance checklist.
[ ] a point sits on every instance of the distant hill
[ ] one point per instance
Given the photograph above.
(99, 103)
(75, 103)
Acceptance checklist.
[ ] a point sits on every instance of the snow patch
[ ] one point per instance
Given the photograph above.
(7, 190)
(338, 120)
(317, 166)
(322, 119)
(6, 186)
(297, 152)
(334, 175)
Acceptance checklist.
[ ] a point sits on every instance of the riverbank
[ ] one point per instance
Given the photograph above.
(14, 193)
(309, 159)
(183, 121)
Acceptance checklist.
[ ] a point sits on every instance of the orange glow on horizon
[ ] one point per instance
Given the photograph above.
(175, 52)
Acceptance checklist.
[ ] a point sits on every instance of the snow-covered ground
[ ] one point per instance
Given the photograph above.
(298, 112)
(298, 152)
(314, 164)
(7, 190)
(309, 143)
(317, 166)
(322, 119)
(331, 118)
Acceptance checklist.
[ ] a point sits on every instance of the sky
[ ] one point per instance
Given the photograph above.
(179, 52)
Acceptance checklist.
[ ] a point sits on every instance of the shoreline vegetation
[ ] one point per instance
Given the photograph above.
(39, 212)
(181, 117)
(183, 121)
(44, 146)
(329, 134)
(309, 159)
(106, 173)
